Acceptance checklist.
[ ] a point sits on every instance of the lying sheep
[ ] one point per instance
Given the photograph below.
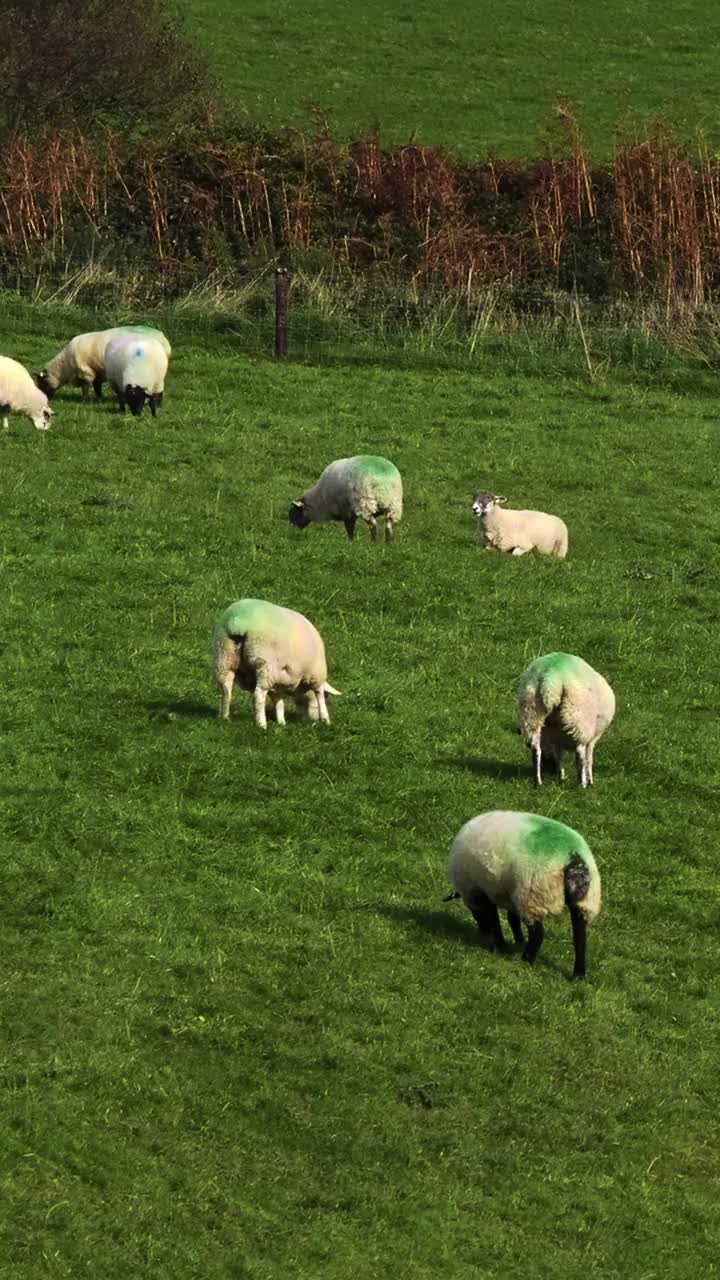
(135, 366)
(270, 651)
(564, 705)
(518, 531)
(83, 359)
(18, 394)
(530, 866)
(364, 487)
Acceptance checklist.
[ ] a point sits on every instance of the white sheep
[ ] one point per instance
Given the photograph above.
(83, 359)
(135, 366)
(564, 705)
(364, 486)
(18, 394)
(518, 531)
(270, 651)
(530, 866)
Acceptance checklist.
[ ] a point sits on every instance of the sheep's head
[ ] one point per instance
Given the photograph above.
(298, 515)
(484, 503)
(43, 382)
(135, 399)
(42, 419)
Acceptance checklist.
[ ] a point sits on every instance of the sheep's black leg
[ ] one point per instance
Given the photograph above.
(97, 386)
(516, 926)
(536, 934)
(349, 523)
(486, 917)
(84, 390)
(579, 928)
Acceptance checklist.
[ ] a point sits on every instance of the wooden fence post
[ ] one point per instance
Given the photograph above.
(282, 281)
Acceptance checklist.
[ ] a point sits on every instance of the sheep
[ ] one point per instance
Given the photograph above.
(530, 866)
(364, 486)
(83, 360)
(270, 651)
(18, 394)
(564, 705)
(135, 366)
(518, 531)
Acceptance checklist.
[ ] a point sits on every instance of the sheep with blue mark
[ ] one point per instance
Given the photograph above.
(136, 367)
(82, 361)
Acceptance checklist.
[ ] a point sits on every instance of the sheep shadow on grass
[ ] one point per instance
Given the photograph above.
(163, 710)
(488, 768)
(444, 925)
(440, 925)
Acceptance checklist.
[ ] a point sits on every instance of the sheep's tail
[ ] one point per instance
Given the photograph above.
(452, 895)
(225, 648)
(560, 548)
(327, 688)
(537, 699)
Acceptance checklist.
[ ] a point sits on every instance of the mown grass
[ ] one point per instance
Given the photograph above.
(481, 77)
(242, 1035)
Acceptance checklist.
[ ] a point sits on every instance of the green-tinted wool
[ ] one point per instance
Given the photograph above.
(560, 664)
(376, 466)
(545, 838)
(246, 615)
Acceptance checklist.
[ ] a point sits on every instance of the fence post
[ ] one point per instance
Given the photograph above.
(281, 311)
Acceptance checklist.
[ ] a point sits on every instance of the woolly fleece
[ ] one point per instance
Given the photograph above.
(518, 860)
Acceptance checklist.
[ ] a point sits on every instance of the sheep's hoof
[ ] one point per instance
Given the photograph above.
(578, 977)
(528, 959)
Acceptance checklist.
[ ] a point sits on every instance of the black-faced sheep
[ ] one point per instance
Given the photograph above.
(530, 866)
(363, 487)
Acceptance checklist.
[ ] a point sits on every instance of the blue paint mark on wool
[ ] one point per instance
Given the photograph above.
(138, 351)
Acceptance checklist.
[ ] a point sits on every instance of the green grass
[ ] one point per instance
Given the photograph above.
(241, 1034)
(481, 77)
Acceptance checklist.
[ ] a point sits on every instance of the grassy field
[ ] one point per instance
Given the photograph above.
(482, 77)
(241, 1034)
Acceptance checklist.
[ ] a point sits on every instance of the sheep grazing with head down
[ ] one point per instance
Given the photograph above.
(563, 705)
(363, 487)
(271, 652)
(18, 394)
(531, 867)
(136, 365)
(83, 359)
(518, 531)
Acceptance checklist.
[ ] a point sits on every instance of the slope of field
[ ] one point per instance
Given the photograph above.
(481, 77)
(242, 1035)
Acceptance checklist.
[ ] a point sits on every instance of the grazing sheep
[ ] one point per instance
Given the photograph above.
(83, 359)
(518, 531)
(364, 486)
(135, 366)
(564, 705)
(530, 866)
(18, 394)
(270, 651)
